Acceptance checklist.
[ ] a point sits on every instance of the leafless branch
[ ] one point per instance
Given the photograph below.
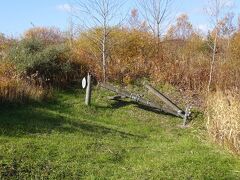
(156, 13)
(98, 14)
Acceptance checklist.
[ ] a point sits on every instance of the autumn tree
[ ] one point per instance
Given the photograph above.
(99, 14)
(5, 44)
(48, 35)
(182, 30)
(215, 11)
(226, 30)
(2, 44)
(156, 13)
(238, 27)
(135, 22)
(235, 45)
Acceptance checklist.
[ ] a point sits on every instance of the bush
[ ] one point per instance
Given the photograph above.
(48, 35)
(44, 65)
(224, 120)
(5, 44)
(185, 64)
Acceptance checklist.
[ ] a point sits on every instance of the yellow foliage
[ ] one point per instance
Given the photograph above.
(235, 46)
(129, 53)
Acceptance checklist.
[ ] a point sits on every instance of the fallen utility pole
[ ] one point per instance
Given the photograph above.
(185, 115)
(138, 98)
(166, 100)
(173, 108)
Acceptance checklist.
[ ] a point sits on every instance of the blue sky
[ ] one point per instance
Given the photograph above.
(16, 16)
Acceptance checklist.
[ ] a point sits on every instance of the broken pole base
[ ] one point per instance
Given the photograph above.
(186, 116)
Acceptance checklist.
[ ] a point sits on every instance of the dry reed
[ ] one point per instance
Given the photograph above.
(224, 120)
(15, 89)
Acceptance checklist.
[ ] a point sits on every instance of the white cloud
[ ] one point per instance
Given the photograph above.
(203, 27)
(64, 7)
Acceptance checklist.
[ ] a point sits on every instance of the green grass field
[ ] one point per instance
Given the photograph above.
(63, 139)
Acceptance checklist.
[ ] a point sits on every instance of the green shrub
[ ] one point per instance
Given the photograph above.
(45, 65)
(29, 53)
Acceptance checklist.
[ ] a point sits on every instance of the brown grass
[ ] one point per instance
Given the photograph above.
(20, 91)
(223, 113)
(15, 89)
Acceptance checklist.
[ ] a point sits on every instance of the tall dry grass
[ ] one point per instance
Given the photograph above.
(14, 89)
(20, 91)
(223, 113)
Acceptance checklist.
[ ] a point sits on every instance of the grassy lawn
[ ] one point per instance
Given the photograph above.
(63, 139)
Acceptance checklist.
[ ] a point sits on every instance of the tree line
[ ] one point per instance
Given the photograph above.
(113, 47)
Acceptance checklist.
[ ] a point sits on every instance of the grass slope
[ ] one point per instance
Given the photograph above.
(63, 139)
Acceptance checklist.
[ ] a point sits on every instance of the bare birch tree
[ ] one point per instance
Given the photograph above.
(227, 29)
(238, 25)
(215, 9)
(156, 13)
(99, 14)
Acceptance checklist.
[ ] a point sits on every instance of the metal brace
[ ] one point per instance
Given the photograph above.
(186, 115)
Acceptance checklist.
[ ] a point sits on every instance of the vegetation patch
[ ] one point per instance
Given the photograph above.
(65, 139)
(224, 120)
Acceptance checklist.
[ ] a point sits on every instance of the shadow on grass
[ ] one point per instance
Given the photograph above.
(119, 104)
(22, 120)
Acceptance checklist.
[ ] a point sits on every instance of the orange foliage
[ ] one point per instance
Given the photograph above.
(183, 29)
(235, 45)
(129, 54)
(184, 60)
(48, 35)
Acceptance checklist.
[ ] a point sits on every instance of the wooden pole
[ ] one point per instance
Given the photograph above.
(88, 91)
(165, 100)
